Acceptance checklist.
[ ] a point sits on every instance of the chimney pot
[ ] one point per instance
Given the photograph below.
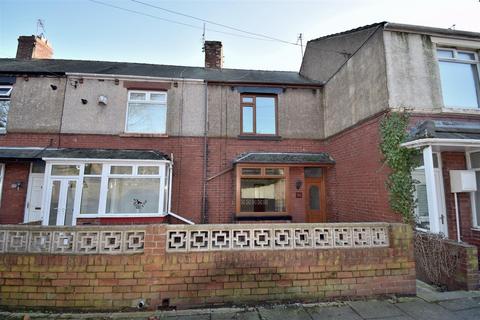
(33, 47)
(213, 54)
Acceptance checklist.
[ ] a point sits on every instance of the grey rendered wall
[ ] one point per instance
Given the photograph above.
(184, 112)
(359, 89)
(323, 57)
(412, 70)
(34, 106)
(300, 113)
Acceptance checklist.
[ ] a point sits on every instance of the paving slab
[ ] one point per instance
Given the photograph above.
(421, 310)
(460, 304)
(284, 312)
(375, 309)
(333, 313)
(242, 315)
(191, 317)
(430, 294)
(469, 314)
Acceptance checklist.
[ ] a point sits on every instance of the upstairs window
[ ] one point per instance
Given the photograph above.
(258, 114)
(4, 106)
(459, 77)
(146, 112)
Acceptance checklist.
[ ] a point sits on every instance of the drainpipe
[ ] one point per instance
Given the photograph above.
(204, 215)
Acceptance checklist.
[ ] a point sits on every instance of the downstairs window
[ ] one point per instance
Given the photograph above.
(261, 190)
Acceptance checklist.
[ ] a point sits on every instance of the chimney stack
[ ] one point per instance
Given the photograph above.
(33, 47)
(213, 54)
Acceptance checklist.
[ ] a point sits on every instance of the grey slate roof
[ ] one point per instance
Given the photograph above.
(60, 67)
(445, 130)
(39, 153)
(284, 158)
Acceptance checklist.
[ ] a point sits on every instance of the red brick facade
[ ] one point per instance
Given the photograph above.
(204, 279)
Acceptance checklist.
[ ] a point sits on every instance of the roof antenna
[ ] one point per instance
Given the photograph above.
(41, 26)
(452, 27)
(300, 40)
(203, 38)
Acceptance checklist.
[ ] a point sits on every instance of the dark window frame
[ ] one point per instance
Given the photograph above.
(254, 106)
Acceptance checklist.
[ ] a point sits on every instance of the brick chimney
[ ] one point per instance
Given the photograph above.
(33, 47)
(213, 54)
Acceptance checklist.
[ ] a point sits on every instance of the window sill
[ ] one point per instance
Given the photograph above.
(143, 135)
(259, 137)
(263, 217)
(461, 110)
(122, 215)
(476, 229)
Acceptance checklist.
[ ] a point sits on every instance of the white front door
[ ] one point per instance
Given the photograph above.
(61, 201)
(33, 206)
(432, 221)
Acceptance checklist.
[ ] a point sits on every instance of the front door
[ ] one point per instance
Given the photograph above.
(315, 200)
(33, 207)
(61, 197)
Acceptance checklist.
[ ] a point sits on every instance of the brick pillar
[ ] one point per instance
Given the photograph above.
(213, 54)
(33, 47)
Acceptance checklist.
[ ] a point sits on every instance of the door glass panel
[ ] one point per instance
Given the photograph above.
(420, 195)
(314, 198)
(69, 202)
(54, 199)
(477, 198)
(313, 172)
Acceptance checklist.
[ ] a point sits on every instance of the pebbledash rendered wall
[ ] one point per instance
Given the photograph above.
(99, 267)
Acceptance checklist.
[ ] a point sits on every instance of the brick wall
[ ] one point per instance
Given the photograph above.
(12, 205)
(206, 278)
(356, 184)
(465, 276)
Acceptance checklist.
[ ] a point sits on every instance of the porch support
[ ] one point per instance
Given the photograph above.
(433, 209)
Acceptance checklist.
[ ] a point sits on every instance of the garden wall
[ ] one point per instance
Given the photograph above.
(114, 267)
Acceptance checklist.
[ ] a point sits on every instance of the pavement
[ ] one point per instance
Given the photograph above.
(427, 305)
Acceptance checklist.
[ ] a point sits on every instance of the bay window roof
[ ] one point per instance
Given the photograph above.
(285, 158)
(80, 153)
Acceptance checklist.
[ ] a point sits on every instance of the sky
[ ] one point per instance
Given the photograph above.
(83, 29)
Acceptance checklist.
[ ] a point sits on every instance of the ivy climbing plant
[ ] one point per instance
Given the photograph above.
(401, 161)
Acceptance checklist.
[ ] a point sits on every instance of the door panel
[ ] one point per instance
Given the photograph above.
(34, 201)
(315, 202)
(70, 201)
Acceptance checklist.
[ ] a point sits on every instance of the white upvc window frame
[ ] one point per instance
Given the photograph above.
(165, 167)
(5, 97)
(455, 59)
(2, 176)
(475, 222)
(146, 101)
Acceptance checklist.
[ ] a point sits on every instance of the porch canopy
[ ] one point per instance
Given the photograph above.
(79, 153)
(432, 137)
(290, 158)
(445, 135)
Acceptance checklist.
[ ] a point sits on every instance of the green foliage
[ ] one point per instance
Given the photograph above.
(401, 161)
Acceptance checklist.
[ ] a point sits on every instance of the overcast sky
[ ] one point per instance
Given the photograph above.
(82, 29)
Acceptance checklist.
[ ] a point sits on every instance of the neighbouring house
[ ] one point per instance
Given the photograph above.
(92, 142)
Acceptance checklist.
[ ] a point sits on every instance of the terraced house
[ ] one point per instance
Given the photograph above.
(93, 142)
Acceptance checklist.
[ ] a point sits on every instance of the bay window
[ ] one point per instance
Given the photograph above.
(106, 189)
(261, 190)
(474, 164)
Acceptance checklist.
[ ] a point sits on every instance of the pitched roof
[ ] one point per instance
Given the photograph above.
(285, 158)
(77, 153)
(61, 67)
(445, 130)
